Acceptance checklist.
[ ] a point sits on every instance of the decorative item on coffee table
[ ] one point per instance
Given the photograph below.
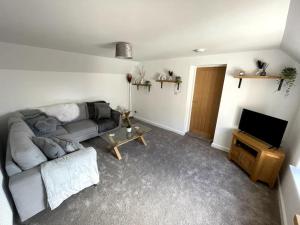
(126, 118)
(125, 115)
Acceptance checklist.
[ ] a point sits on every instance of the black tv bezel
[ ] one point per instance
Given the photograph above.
(272, 145)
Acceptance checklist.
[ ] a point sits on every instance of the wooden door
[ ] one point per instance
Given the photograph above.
(207, 95)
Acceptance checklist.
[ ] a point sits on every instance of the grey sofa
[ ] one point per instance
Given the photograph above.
(23, 158)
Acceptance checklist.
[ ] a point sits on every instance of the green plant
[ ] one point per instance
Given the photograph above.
(289, 74)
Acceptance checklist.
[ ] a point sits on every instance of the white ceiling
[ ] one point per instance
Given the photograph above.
(156, 28)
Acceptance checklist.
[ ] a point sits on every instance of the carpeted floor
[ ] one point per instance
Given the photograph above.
(175, 180)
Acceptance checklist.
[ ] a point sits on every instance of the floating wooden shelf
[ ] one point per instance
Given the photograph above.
(143, 85)
(272, 77)
(178, 82)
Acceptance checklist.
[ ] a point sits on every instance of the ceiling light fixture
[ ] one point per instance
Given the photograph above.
(123, 50)
(199, 50)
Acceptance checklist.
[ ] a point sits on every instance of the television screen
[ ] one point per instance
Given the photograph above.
(267, 128)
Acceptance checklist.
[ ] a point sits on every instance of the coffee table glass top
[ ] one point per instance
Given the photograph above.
(120, 136)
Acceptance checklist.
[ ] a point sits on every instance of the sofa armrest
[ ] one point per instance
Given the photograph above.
(116, 116)
(28, 192)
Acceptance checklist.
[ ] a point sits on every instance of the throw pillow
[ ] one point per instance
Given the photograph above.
(67, 145)
(91, 109)
(32, 120)
(51, 149)
(46, 126)
(103, 111)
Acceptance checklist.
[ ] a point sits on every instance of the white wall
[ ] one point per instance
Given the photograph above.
(290, 200)
(290, 195)
(32, 77)
(162, 106)
(291, 39)
(24, 89)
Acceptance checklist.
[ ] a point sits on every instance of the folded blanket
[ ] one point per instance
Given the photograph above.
(69, 174)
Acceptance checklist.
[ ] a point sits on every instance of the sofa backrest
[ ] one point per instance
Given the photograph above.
(68, 112)
(23, 152)
(10, 166)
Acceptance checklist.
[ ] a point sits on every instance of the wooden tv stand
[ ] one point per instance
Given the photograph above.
(256, 157)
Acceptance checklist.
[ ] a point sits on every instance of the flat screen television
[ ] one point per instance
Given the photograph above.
(267, 128)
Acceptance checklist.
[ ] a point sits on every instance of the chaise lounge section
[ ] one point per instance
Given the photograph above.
(77, 122)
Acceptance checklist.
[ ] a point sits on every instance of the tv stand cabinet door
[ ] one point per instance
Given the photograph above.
(269, 169)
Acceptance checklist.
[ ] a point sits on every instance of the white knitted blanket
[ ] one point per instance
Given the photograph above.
(69, 175)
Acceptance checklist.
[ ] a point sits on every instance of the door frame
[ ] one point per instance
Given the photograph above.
(190, 92)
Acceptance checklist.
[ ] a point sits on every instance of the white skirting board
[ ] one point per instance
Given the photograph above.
(220, 147)
(160, 125)
(281, 205)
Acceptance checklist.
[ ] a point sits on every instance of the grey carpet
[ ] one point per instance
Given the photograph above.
(175, 180)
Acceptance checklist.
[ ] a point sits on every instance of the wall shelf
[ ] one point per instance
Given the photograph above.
(178, 82)
(270, 77)
(143, 85)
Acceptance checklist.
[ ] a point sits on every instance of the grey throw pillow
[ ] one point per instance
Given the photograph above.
(103, 111)
(32, 120)
(67, 145)
(50, 148)
(46, 126)
(41, 124)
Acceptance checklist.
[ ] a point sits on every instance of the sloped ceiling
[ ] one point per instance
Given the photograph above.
(156, 28)
(291, 38)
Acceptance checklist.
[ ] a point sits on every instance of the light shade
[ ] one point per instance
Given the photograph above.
(123, 50)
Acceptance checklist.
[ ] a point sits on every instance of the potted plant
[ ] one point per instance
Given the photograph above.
(178, 79)
(289, 75)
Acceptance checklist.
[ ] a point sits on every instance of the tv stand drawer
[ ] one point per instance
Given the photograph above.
(247, 161)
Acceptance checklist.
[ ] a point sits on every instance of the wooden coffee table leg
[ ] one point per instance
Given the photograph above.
(142, 140)
(116, 150)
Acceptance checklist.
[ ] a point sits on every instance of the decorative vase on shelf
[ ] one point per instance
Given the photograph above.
(263, 73)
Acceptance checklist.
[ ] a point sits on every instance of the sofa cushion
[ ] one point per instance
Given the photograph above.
(41, 124)
(68, 145)
(46, 125)
(105, 125)
(81, 128)
(103, 111)
(60, 130)
(26, 154)
(49, 147)
(20, 125)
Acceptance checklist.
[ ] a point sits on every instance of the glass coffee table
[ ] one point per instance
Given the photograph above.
(120, 136)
